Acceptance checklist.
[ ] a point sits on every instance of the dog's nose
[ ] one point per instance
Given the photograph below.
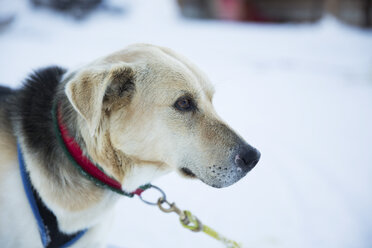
(247, 158)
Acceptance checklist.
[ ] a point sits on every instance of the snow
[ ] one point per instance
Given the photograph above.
(301, 93)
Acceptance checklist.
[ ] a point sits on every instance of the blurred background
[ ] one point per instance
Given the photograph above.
(293, 77)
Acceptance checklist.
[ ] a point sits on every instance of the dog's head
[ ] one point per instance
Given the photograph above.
(147, 110)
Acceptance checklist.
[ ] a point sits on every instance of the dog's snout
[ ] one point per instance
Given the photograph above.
(247, 158)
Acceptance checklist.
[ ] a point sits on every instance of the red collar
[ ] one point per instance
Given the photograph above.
(92, 171)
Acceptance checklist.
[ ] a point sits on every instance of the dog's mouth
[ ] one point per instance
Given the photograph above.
(187, 172)
(217, 176)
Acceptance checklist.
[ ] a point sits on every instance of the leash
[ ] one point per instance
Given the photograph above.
(187, 219)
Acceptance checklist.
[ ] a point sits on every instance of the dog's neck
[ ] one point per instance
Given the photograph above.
(84, 164)
(77, 202)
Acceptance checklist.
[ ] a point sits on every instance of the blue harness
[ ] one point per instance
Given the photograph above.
(50, 235)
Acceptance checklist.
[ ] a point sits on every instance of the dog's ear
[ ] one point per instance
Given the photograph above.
(95, 90)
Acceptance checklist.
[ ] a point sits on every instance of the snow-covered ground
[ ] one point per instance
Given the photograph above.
(302, 94)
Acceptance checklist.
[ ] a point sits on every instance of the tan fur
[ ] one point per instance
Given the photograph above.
(130, 126)
(143, 125)
(8, 145)
(8, 149)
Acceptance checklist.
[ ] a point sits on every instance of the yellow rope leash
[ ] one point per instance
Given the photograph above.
(189, 221)
(207, 230)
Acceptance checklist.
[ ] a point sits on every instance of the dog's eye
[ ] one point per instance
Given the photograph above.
(184, 104)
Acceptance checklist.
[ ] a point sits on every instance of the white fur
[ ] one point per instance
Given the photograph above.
(18, 226)
(15, 212)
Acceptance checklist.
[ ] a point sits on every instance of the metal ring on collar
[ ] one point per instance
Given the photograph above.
(163, 196)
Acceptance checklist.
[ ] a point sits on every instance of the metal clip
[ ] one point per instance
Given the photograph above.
(187, 219)
(171, 207)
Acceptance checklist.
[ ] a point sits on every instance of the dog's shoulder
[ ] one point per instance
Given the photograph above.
(21, 107)
(28, 106)
(32, 104)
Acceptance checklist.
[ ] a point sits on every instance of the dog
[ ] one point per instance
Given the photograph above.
(138, 113)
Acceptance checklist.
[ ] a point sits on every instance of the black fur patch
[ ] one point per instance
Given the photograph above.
(34, 105)
(5, 95)
(4, 92)
(31, 109)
